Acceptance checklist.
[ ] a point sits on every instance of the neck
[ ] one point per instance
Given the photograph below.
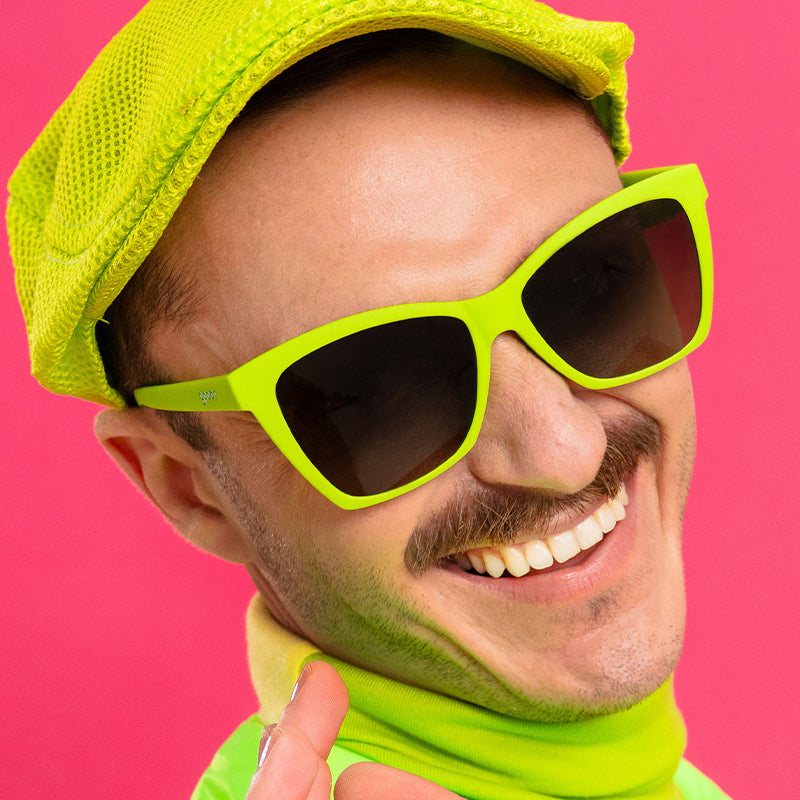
(478, 753)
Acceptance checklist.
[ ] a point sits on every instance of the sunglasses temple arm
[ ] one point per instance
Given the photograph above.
(207, 394)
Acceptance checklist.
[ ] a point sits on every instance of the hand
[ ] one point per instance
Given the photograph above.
(294, 751)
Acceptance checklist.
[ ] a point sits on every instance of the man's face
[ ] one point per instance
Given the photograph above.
(424, 181)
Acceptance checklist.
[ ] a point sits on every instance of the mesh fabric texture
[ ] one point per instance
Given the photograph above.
(95, 191)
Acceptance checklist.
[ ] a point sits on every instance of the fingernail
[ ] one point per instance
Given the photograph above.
(300, 681)
(264, 744)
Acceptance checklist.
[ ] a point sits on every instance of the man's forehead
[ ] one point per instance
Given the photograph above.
(372, 134)
(371, 192)
(360, 123)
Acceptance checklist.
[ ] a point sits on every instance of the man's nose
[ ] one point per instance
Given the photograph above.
(536, 432)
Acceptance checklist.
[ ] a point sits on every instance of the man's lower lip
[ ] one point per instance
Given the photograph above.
(585, 574)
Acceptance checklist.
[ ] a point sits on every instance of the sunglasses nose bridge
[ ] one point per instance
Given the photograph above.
(494, 313)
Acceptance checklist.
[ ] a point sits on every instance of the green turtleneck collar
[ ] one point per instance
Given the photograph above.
(484, 755)
(477, 753)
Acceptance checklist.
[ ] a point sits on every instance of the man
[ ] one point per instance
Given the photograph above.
(488, 555)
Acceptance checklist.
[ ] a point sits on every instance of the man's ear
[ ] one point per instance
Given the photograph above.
(176, 478)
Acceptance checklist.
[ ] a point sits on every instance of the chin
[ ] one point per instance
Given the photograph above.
(621, 675)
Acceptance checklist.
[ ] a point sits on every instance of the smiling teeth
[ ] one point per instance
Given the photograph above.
(519, 559)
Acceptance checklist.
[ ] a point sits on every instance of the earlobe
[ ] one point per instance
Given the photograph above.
(175, 478)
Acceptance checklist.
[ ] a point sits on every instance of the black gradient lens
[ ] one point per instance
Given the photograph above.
(384, 406)
(622, 296)
(379, 408)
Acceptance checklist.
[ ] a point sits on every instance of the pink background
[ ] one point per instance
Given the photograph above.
(123, 662)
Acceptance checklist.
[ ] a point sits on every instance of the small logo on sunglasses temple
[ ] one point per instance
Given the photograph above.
(206, 396)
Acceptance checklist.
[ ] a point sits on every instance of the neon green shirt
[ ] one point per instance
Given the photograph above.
(476, 753)
(229, 774)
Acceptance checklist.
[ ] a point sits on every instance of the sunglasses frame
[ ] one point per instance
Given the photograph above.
(252, 386)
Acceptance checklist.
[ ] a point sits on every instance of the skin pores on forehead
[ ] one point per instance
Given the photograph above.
(431, 179)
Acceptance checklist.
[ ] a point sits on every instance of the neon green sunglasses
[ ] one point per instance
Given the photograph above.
(373, 405)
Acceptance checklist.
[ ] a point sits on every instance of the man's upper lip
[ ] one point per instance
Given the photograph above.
(576, 517)
(539, 553)
(561, 526)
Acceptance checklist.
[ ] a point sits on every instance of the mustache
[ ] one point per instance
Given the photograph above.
(496, 516)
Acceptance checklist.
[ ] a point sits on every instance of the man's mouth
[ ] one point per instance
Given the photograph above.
(520, 558)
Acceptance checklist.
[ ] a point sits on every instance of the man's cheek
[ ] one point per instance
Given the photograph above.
(666, 396)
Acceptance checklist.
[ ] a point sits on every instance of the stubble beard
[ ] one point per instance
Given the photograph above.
(497, 516)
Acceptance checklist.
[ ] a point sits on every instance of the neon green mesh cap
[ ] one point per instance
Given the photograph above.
(95, 191)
